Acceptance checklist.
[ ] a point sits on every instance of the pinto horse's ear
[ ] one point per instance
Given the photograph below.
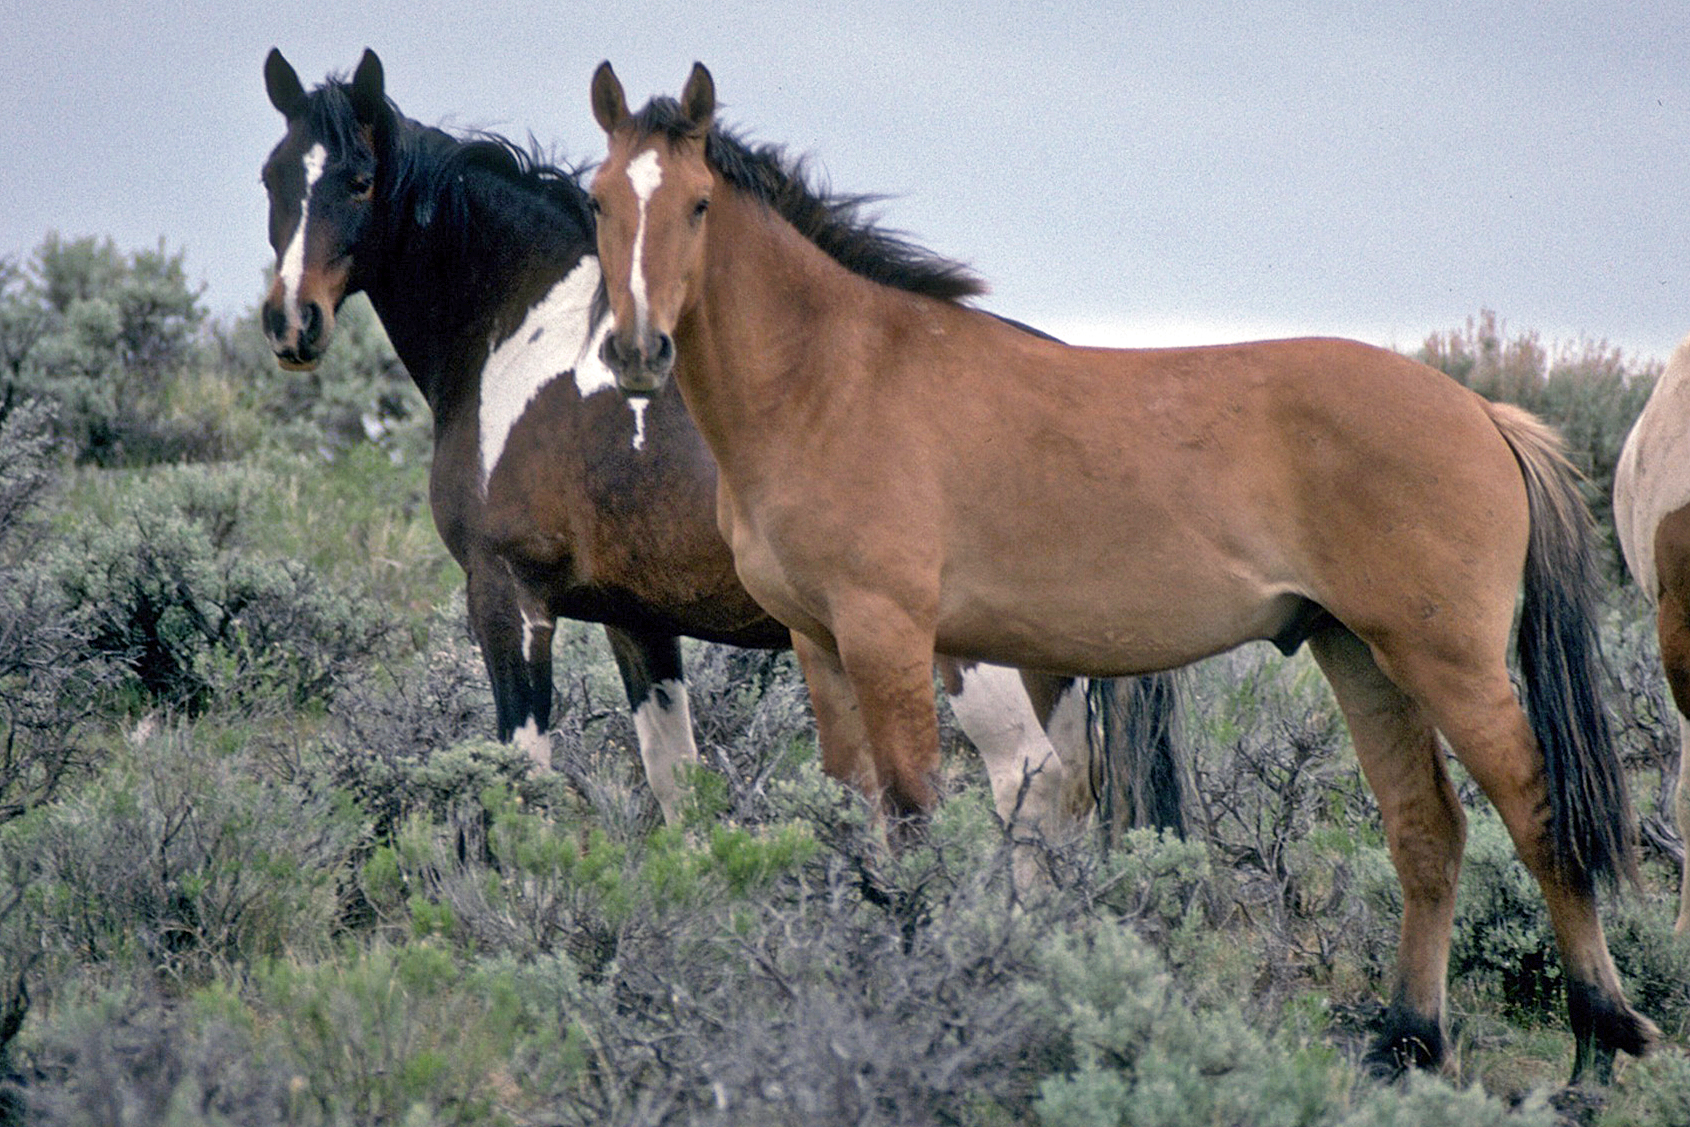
(609, 106)
(698, 98)
(282, 84)
(368, 94)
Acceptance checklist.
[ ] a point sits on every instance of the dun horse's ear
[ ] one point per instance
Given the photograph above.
(698, 98)
(609, 106)
(368, 92)
(282, 84)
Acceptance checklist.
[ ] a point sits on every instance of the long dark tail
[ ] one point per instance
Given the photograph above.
(1136, 773)
(1562, 665)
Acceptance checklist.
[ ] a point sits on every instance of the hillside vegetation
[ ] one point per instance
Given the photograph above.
(261, 864)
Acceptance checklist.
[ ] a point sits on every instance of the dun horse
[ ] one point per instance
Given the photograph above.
(1652, 515)
(557, 497)
(901, 474)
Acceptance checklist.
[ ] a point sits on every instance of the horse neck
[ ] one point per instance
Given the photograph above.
(751, 357)
(442, 297)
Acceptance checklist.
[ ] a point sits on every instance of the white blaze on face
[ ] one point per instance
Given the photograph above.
(292, 269)
(645, 174)
(557, 336)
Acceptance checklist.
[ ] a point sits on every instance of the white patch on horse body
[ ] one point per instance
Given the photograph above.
(639, 406)
(532, 624)
(1652, 480)
(645, 173)
(557, 336)
(666, 743)
(292, 270)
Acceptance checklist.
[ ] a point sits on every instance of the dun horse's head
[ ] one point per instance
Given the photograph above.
(652, 197)
(321, 181)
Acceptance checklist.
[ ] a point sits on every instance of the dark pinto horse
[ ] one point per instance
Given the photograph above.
(902, 474)
(557, 497)
(1652, 516)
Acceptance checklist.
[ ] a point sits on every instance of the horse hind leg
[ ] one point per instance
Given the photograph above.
(1489, 733)
(999, 711)
(1425, 830)
(650, 664)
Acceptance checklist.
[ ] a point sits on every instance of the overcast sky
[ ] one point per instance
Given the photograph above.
(1119, 172)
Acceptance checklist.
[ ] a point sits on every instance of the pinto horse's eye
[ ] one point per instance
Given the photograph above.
(362, 186)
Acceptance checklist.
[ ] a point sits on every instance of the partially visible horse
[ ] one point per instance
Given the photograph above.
(901, 474)
(1652, 516)
(558, 497)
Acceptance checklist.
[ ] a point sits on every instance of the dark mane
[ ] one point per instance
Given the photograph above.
(429, 165)
(834, 223)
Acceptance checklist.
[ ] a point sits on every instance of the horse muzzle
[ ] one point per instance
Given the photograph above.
(298, 347)
(641, 367)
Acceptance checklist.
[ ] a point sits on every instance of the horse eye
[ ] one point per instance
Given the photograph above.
(699, 208)
(594, 206)
(362, 186)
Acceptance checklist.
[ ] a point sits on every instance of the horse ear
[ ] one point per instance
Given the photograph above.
(282, 84)
(609, 106)
(698, 98)
(369, 97)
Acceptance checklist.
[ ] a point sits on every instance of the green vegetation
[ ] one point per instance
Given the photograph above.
(260, 864)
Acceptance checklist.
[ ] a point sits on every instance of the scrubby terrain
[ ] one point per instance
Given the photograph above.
(260, 863)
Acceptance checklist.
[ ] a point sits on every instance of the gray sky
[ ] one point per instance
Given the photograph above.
(1119, 172)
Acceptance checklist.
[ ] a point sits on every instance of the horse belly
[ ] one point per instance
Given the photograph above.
(1110, 628)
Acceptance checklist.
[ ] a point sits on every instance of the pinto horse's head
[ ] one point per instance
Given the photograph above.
(321, 181)
(652, 197)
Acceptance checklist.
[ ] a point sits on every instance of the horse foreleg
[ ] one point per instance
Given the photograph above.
(516, 647)
(1673, 628)
(1425, 830)
(650, 664)
(1681, 809)
(885, 658)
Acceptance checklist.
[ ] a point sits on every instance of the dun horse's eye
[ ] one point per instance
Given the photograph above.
(594, 206)
(699, 208)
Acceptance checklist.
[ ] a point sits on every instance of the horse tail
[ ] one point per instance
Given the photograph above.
(1561, 662)
(1137, 778)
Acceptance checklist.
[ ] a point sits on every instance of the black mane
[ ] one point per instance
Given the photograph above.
(428, 165)
(835, 223)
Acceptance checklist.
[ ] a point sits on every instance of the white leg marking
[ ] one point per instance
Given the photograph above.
(639, 406)
(536, 743)
(1069, 729)
(645, 173)
(293, 258)
(557, 336)
(998, 719)
(666, 743)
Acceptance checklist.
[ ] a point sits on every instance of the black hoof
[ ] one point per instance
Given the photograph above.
(1407, 1040)
(1603, 1026)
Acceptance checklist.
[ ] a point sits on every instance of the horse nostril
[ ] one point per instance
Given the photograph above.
(611, 354)
(311, 328)
(275, 322)
(664, 354)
